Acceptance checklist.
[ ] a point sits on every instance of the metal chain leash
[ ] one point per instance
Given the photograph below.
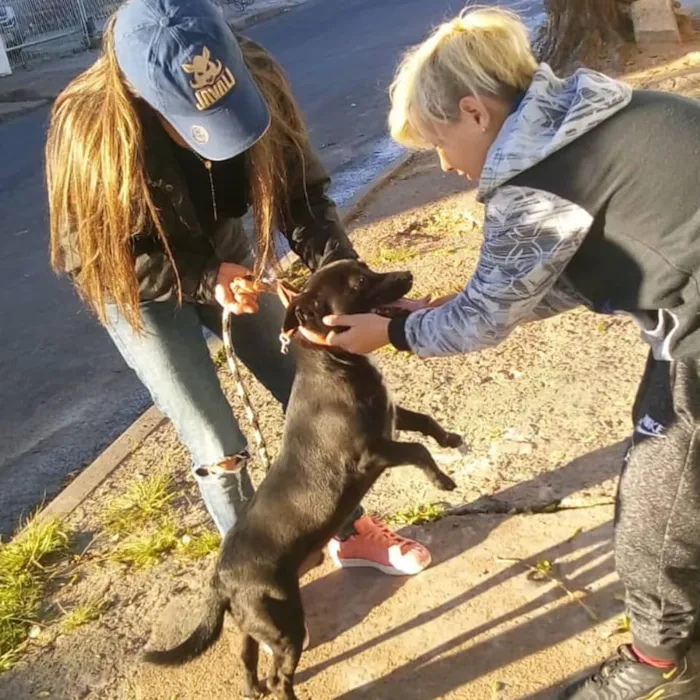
(242, 393)
(234, 367)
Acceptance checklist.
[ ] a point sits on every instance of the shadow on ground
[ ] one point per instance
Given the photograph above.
(321, 595)
(414, 631)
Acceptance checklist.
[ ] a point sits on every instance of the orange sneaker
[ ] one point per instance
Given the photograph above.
(379, 547)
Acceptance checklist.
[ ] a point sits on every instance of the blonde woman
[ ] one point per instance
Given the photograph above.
(153, 157)
(591, 194)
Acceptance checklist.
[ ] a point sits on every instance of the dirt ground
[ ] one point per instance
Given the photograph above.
(546, 414)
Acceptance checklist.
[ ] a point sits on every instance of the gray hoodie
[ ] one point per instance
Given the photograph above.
(530, 234)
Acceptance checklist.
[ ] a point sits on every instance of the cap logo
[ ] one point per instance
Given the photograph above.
(200, 134)
(211, 81)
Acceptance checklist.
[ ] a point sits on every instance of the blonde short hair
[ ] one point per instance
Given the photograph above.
(485, 51)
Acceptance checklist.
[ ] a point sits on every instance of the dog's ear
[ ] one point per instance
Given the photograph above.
(302, 310)
(291, 318)
(290, 300)
(310, 312)
(305, 311)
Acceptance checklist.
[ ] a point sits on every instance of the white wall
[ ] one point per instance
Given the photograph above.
(4, 60)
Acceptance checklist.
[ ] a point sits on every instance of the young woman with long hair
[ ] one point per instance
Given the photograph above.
(154, 155)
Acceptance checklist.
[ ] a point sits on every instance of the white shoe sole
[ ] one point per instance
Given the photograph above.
(368, 564)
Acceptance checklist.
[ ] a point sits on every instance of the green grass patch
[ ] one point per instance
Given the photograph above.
(147, 549)
(543, 570)
(81, 614)
(622, 626)
(144, 550)
(200, 545)
(297, 275)
(26, 564)
(496, 433)
(219, 358)
(144, 529)
(388, 350)
(392, 256)
(445, 252)
(145, 500)
(418, 515)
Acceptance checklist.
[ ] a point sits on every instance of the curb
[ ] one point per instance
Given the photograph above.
(8, 116)
(78, 490)
(654, 21)
(96, 472)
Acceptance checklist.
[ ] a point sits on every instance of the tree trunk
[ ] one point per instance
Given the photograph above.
(582, 31)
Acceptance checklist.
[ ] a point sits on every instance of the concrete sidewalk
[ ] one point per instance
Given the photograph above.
(477, 625)
(28, 88)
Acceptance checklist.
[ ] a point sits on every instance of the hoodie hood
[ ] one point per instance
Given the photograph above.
(553, 113)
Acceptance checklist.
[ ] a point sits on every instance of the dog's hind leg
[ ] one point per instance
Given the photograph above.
(249, 656)
(400, 454)
(279, 624)
(420, 423)
(285, 661)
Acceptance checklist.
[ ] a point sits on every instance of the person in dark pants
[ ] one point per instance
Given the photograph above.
(154, 155)
(591, 194)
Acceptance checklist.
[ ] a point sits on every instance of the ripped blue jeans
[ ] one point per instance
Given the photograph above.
(171, 358)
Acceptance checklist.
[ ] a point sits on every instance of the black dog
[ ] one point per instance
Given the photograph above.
(338, 439)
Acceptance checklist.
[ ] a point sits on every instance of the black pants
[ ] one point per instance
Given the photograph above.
(657, 535)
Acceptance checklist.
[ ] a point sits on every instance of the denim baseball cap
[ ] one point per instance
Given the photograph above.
(182, 58)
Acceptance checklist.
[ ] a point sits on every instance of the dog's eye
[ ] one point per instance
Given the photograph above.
(360, 282)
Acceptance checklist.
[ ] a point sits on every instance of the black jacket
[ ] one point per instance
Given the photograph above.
(312, 227)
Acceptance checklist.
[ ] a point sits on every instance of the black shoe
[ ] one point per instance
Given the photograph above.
(624, 677)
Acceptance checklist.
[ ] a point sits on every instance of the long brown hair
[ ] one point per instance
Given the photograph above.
(98, 182)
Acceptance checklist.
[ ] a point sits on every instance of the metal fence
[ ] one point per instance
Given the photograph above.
(44, 29)
(34, 30)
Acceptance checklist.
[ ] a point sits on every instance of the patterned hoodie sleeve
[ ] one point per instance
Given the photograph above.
(529, 238)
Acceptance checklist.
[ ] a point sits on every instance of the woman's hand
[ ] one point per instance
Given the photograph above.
(235, 289)
(366, 333)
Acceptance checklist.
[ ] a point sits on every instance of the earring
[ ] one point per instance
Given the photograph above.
(483, 129)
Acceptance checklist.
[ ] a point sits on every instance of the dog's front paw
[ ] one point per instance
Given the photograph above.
(464, 448)
(452, 440)
(259, 691)
(445, 483)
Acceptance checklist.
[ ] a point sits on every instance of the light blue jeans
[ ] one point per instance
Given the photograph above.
(172, 359)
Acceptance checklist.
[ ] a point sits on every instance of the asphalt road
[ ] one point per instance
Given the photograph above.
(65, 393)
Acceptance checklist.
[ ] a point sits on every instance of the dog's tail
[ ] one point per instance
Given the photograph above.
(202, 637)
